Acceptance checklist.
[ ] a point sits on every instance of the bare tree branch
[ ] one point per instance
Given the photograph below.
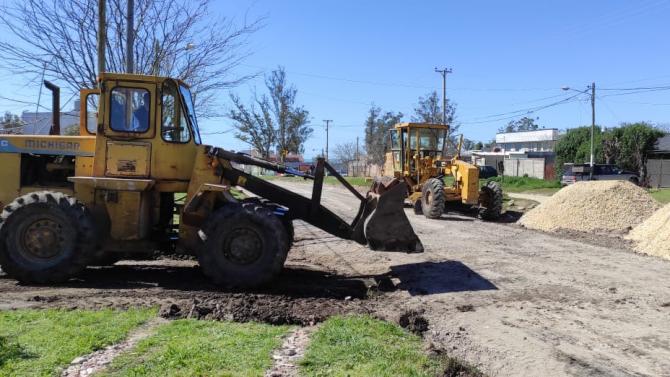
(179, 37)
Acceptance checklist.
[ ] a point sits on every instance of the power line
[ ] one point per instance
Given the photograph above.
(664, 86)
(634, 91)
(398, 84)
(517, 115)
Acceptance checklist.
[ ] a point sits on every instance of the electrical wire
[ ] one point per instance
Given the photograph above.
(514, 114)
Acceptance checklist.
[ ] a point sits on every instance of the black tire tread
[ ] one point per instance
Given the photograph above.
(85, 245)
(436, 188)
(228, 215)
(491, 201)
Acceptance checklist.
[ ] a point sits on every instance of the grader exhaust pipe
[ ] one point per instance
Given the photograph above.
(381, 222)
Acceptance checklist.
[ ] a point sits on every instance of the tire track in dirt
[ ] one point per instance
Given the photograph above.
(97, 361)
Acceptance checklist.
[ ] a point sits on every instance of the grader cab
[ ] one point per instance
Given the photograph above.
(72, 201)
(417, 155)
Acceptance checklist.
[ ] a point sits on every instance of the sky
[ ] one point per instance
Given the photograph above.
(507, 57)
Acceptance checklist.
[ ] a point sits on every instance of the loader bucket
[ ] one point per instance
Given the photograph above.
(381, 221)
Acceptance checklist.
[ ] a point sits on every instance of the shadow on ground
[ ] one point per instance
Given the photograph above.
(293, 282)
(428, 278)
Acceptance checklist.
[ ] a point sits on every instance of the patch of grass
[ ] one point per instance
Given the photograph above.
(519, 184)
(202, 348)
(363, 346)
(42, 342)
(661, 195)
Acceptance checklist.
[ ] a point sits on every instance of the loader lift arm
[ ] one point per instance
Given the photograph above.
(378, 223)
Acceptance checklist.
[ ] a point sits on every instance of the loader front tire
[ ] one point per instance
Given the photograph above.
(245, 246)
(46, 237)
(432, 198)
(490, 201)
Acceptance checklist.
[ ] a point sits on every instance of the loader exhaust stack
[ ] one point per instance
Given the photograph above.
(381, 222)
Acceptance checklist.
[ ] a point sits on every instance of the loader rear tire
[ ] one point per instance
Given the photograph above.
(46, 237)
(490, 201)
(432, 198)
(245, 246)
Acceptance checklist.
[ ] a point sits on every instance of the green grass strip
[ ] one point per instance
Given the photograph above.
(202, 348)
(43, 342)
(363, 346)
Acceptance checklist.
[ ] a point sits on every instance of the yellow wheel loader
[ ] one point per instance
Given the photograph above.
(417, 156)
(73, 201)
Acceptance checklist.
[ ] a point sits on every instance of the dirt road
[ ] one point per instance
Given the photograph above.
(518, 302)
(512, 301)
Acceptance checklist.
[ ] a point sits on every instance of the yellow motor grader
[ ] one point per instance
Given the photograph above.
(417, 156)
(72, 201)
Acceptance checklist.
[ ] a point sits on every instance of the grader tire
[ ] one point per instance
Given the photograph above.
(245, 246)
(46, 237)
(432, 198)
(490, 201)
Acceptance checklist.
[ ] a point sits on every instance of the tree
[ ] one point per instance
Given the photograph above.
(479, 146)
(176, 38)
(626, 146)
(523, 124)
(575, 147)
(11, 123)
(253, 126)
(72, 130)
(635, 140)
(290, 119)
(468, 144)
(345, 152)
(377, 126)
(429, 110)
(273, 120)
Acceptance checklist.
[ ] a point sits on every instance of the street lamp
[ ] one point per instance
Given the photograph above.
(592, 89)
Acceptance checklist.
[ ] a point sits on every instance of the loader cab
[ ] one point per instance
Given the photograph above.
(146, 128)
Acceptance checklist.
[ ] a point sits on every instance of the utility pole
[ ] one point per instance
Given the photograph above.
(102, 35)
(592, 89)
(130, 37)
(593, 124)
(444, 73)
(356, 148)
(156, 66)
(327, 126)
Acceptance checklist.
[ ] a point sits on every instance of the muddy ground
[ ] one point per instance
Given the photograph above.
(509, 300)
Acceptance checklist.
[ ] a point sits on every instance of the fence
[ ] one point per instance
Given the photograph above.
(532, 167)
(658, 171)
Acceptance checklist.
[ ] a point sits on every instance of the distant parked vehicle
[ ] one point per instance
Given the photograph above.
(487, 171)
(581, 172)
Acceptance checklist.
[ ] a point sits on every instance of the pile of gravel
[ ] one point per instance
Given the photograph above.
(653, 235)
(595, 206)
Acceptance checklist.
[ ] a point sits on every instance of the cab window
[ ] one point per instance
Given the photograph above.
(130, 110)
(174, 127)
(92, 112)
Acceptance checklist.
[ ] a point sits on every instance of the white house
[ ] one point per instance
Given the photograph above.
(39, 123)
(543, 140)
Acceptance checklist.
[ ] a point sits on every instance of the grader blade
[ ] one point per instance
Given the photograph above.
(382, 222)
